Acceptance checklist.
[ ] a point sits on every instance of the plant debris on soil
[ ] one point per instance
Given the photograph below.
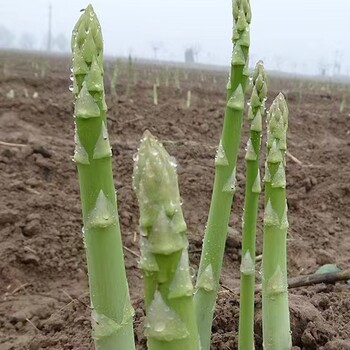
(43, 279)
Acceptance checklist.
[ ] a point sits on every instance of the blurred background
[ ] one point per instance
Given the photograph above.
(293, 36)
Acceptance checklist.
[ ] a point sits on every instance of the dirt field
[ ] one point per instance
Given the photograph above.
(43, 284)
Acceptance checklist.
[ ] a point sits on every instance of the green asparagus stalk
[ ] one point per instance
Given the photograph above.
(225, 176)
(177, 79)
(188, 100)
(276, 323)
(130, 75)
(166, 76)
(114, 78)
(170, 322)
(112, 313)
(252, 192)
(155, 94)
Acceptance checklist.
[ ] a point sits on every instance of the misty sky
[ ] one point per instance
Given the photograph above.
(290, 35)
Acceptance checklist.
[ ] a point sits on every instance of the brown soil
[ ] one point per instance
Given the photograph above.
(43, 289)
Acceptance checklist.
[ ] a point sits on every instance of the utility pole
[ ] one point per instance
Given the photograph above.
(49, 34)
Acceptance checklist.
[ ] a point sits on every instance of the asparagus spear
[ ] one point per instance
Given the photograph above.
(252, 192)
(225, 175)
(171, 322)
(114, 78)
(276, 323)
(112, 313)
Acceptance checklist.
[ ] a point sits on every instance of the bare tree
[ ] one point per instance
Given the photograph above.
(27, 41)
(196, 51)
(6, 37)
(192, 52)
(337, 62)
(323, 68)
(189, 55)
(156, 46)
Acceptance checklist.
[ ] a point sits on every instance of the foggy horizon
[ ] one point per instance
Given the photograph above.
(296, 37)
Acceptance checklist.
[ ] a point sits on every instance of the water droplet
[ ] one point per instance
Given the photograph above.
(159, 326)
(135, 157)
(172, 161)
(154, 152)
(192, 272)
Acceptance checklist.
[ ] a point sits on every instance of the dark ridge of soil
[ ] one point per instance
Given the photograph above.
(44, 293)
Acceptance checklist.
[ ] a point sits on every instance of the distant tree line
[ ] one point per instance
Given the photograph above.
(28, 41)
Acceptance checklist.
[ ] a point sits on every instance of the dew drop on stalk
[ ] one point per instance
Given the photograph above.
(192, 272)
(104, 131)
(84, 243)
(159, 326)
(172, 161)
(135, 157)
